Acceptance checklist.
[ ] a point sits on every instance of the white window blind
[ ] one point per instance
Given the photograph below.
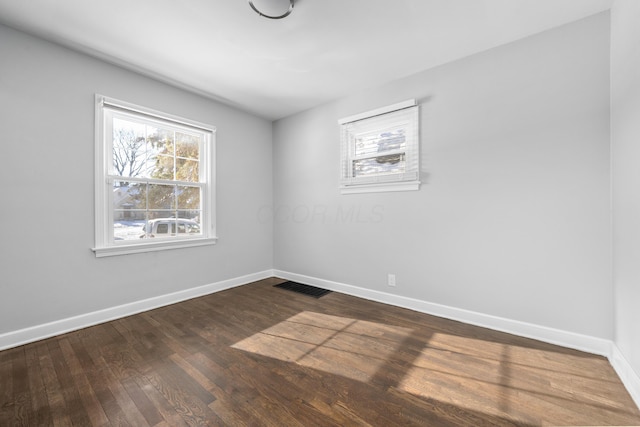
(381, 148)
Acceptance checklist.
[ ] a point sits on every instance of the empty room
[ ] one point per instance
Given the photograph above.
(320, 213)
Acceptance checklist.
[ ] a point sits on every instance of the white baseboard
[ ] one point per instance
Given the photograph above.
(586, 343)
(629, 377)
(573, 340)
(36, 333)
(589, 344)
(599, 346)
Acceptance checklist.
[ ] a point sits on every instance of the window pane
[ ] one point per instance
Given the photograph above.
(161, 153)
(129, 211)
(162, 167)
(128, 195)
(129, 148)
(380, 141)
(187, 170)
(188, 146)
(188, 197)
(381, 165)
(161, 197)
(160, 140)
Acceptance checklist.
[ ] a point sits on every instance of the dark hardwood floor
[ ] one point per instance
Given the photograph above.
(257, 355)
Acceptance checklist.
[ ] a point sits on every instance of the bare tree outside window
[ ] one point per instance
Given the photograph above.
(129, 152)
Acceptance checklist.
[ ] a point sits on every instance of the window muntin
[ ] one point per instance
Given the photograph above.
(155, 168)
(381, 148)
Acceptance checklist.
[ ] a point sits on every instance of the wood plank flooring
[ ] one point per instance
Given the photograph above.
(261, 356)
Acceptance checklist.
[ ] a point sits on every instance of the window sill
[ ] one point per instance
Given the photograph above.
(381, 187)
(151, 247)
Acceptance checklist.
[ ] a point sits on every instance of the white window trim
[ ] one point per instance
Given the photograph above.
(104, 243)
(387, 183)
(380, 187)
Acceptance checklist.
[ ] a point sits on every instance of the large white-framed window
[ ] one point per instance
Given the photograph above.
(154, 181)
(380, 150)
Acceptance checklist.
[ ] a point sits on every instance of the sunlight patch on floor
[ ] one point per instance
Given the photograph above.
(352, 348)
(499, 379)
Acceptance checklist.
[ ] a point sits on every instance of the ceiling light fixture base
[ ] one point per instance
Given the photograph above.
(271, 8)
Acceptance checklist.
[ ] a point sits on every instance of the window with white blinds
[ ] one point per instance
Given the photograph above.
(380, 150)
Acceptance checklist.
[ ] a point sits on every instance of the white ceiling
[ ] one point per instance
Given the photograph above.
(324, 50)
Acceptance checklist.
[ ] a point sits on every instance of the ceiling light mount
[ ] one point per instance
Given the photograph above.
(272, 9)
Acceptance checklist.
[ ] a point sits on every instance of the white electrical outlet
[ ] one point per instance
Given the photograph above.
(391, 279)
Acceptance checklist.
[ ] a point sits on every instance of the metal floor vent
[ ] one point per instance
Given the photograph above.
(303, 289)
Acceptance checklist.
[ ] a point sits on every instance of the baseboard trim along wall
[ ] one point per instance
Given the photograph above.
(629, 377)
(586, 343)
(567, 339)
(39, 332)
(542, 333)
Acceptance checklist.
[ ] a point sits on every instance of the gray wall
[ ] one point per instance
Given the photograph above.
(47, 271)
(625, 127)
(512, 219)
(513, 216)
